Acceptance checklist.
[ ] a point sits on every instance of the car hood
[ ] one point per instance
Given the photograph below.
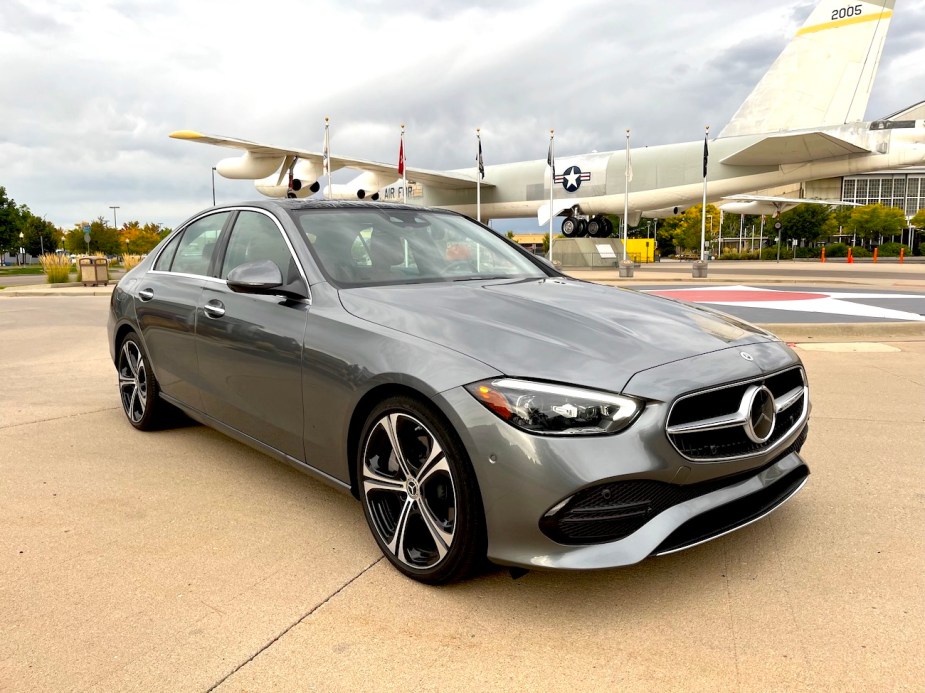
(553, 329)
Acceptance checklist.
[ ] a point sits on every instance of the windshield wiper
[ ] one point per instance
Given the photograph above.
(473, 277)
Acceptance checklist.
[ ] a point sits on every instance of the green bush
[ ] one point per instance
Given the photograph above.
(736, 255)
(860, 251)
(770, 253)
(809, 252)
(836, 250)
(891, 249)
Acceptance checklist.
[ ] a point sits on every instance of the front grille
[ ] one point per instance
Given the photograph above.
(715, 424)
(609, 512)
(613, 511)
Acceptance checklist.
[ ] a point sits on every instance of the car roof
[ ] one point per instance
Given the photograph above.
(297, 205)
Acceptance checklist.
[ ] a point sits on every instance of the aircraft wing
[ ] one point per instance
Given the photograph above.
(801, 148)
(439, 179)
(788, 200)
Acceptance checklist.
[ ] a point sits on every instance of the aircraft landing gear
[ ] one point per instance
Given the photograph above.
(578, 226)
(574, 227)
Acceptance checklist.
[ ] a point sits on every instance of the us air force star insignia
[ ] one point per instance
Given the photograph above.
(572, 178)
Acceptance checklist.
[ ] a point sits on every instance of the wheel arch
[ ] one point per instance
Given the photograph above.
(119, 337)
(364, 407)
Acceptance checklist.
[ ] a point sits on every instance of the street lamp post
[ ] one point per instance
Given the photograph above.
(22, 249)
(114, 208)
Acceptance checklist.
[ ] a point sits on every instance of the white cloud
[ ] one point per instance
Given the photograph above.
(92, 87)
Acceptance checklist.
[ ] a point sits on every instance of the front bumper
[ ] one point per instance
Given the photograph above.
(524, 480)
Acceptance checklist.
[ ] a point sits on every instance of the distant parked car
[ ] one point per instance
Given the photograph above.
(474, 399)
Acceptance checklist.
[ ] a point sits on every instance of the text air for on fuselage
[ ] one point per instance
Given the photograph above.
(393, 192)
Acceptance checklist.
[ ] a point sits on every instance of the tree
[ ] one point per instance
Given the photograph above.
(918, 221)
(10, 223)
(664, 235)
(805, 222)
(871, 221)
(687, 234)
(39, 236)
(138, 240)
(837, 223)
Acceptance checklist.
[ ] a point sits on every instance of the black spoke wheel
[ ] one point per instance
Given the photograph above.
(138, 387)
(419, 493)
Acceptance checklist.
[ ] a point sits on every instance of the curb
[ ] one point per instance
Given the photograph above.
(846, 331)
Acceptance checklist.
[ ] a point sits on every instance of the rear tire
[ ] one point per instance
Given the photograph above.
(138, 388)
(419, 492)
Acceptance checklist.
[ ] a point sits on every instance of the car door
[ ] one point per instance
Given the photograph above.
(250, 346)
(167, 302)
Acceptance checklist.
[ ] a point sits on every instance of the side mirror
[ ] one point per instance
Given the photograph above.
(261, 277)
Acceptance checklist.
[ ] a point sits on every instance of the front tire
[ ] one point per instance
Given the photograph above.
(419, 493)
(138, 388)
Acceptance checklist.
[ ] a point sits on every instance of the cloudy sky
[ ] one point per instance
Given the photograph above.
(91, 88)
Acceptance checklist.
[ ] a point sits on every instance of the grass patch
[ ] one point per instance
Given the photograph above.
(129, 261)
(28, 269)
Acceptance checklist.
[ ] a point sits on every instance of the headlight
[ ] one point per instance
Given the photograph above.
(555, 409)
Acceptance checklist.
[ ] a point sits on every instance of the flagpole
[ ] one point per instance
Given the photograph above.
(326, 158)
(626, 193)
(703, 210)
(401, 157)
(551, 160)
(478, 179)
(699, 269)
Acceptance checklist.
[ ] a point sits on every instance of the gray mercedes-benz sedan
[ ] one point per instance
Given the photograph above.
(475, 400)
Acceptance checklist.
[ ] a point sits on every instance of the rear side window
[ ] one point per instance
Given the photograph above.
(166, 256)
(197, 245)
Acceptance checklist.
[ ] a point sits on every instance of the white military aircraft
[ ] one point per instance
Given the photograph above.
(802, 122)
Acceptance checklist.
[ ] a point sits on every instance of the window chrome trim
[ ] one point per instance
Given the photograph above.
(243, 208)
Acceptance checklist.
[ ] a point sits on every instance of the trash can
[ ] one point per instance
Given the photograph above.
(626, 268)
(699, 270)
(94, 270)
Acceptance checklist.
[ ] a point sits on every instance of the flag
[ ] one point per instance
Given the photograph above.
(479, 159)
(550, 161)
(706, 154)
(401, 156)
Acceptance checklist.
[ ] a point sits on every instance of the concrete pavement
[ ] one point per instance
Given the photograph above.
(182, 560)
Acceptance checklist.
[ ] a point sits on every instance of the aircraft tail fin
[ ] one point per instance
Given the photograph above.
(825, 74)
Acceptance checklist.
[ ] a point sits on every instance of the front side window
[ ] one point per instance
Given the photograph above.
(357, 247)
(256, 236)
(197, 245)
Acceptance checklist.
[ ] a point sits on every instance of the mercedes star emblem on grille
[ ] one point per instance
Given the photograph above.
(759, 402)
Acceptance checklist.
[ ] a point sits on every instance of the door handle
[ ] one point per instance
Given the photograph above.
(214, 309)
(146, 294)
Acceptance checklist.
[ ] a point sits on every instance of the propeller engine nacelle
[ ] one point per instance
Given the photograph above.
(366, 186)
(304, 181)
(305, 176)
(665, 212)
(248, 166)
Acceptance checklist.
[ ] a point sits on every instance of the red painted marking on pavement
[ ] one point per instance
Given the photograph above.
(735, 295)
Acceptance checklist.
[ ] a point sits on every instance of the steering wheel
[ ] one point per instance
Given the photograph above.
(459, 266)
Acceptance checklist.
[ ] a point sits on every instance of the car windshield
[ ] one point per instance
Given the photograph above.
(365, 247)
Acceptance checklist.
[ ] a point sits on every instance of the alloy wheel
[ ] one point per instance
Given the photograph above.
(409, 489)
(133, 381)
